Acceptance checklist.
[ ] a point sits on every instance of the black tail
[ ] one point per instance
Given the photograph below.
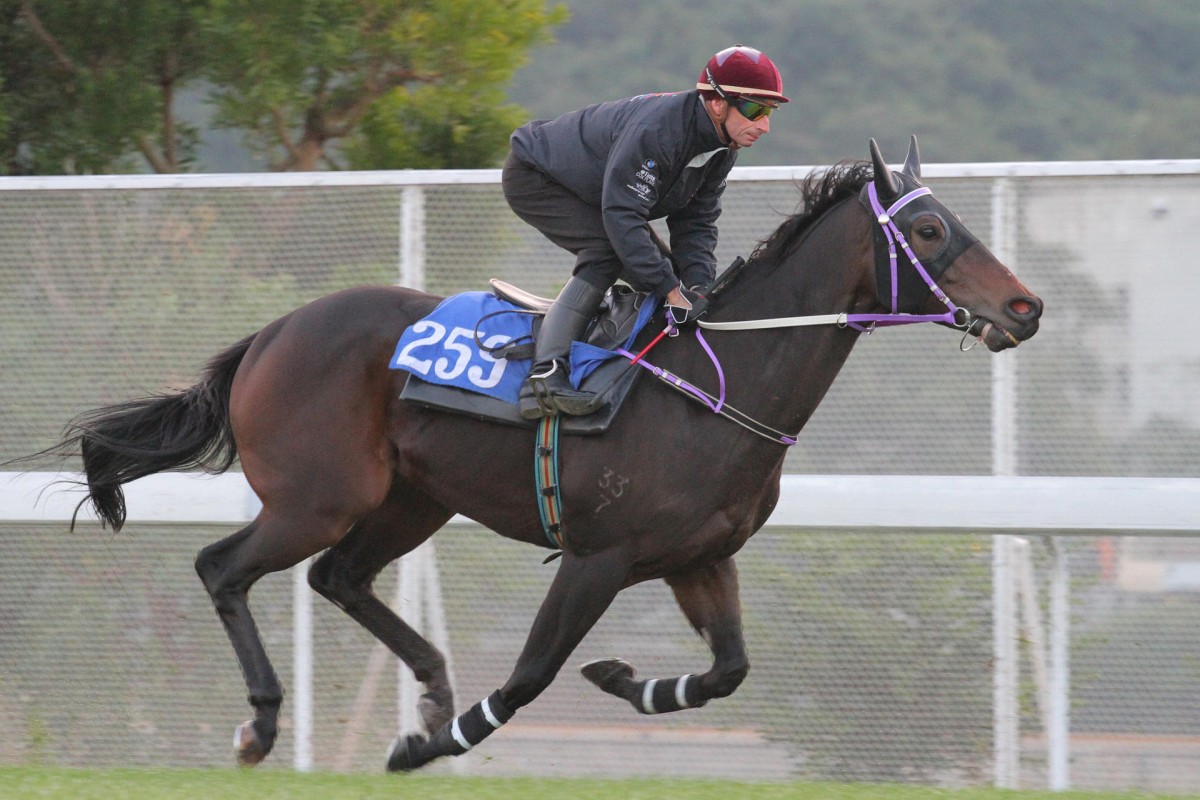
(127, 441)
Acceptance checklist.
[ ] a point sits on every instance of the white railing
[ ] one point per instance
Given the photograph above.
(1010, 507)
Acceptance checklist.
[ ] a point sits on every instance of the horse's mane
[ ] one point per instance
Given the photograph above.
(820, 191)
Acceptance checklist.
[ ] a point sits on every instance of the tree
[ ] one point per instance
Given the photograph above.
(431, 127)
(90, 86)
(301, 76)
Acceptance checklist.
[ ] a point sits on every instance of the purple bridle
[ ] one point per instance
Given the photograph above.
(954, 316)
(887, 222)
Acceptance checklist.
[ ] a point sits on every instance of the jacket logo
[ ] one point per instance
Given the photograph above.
(641, 190)
(645, 175)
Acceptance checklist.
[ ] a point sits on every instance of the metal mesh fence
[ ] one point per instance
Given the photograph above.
(871, 653)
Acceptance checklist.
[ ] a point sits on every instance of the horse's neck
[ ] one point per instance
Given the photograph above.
(828, 271)
(780, 375)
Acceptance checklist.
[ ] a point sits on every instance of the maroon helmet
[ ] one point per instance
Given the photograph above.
(741, 70)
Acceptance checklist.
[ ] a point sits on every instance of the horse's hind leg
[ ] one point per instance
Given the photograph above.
(582, 591)
(228, 569)
(345, 573)
(709, 599)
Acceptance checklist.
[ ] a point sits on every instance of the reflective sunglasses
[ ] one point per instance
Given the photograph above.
(750, 109)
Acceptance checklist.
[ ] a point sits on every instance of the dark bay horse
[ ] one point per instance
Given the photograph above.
(671, 491)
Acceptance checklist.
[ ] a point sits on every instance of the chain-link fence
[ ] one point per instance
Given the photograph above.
(872, 653)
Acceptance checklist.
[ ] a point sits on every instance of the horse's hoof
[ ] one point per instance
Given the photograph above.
(405, 753)
(610, 674)
(247, 746)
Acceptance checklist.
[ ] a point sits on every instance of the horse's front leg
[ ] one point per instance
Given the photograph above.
(709, 599)
(582, 591)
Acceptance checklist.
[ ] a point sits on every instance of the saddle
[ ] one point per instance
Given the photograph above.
(615, 318)
(614, 323)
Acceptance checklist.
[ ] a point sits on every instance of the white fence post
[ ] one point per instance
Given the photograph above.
(409, 606)
(302, 668)
(1059, 716)
(1006, 745)
(412, 237)
(1006, 717)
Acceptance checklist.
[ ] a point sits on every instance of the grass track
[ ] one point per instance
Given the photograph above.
(19, 783)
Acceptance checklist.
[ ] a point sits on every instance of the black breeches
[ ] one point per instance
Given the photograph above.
(567, 220)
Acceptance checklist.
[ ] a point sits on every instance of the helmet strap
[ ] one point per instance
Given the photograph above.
(729, 139)
(720, 123)
(721, 95)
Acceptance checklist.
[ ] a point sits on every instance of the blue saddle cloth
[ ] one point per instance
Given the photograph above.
(445, 347)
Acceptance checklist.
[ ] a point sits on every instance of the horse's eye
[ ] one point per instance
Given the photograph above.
(928, 232)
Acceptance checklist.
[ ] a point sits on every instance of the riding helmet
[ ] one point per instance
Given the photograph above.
(741, 70)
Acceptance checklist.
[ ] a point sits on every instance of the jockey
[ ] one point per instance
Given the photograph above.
(592, 180)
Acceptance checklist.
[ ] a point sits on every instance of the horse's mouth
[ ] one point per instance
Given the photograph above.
(996, 338)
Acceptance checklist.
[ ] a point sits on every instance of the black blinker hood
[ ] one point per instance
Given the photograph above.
(912, 290)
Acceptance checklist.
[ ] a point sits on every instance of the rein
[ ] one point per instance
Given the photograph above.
(955, 316)
(715, 404)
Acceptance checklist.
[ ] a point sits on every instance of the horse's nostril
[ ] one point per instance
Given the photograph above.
(1025, 308)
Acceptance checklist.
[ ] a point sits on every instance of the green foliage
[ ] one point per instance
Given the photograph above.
(298, 76)
(3, 117)
(976, 81)
(432, 128)
(90, 86)
(321, 83)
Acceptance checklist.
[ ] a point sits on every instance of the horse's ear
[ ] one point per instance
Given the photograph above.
(912, 164)
(887, 185)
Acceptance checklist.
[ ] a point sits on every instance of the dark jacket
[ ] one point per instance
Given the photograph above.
(643, 158)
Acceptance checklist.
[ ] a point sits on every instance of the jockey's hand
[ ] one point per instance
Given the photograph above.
(685, 306)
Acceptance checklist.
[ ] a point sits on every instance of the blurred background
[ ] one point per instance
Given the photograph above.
(230, 86)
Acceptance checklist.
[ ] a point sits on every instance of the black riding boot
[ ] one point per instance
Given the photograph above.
(548, 389)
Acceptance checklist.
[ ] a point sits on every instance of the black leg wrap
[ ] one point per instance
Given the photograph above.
(453, 739)
(477, 723)
(672, 694)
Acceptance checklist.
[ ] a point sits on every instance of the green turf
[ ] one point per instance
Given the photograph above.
(214, 784)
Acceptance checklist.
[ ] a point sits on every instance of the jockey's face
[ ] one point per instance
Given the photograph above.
(743, 132)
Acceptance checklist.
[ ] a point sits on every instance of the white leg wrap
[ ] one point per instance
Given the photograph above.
(648, 697)
(681, 691)
(489, 716)
(456, 732)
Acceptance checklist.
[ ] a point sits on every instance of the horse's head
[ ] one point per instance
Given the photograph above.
(927, 261)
